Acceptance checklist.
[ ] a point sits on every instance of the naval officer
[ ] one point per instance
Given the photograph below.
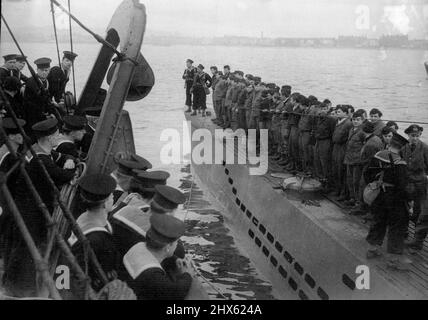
(59, 76)
(96, 193)
(37, 99)
(6, 70)
(73, 132)
(144, 272)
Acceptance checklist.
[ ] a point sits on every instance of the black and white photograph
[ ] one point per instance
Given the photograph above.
(214, 155)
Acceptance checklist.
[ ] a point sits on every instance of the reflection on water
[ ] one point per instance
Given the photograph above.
(213, 249)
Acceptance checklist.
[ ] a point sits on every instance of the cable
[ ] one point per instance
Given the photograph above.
(96, 36)
(55, 32)
(71, 46)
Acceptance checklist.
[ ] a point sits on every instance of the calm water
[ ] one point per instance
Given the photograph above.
(393, 81)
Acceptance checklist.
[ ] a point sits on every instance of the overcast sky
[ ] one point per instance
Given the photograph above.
(275, 18)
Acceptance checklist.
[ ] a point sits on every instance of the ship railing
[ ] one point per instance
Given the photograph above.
(55, 222)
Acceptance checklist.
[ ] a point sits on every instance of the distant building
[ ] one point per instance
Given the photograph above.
(351, 41)
(396, 41)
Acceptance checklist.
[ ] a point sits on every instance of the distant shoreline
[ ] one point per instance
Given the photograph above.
(237, 45)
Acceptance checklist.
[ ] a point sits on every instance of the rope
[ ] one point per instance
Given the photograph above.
(207, 281)
(55, 32)
(71, 45)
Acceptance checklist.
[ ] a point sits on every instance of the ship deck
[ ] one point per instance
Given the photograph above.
(348, 230)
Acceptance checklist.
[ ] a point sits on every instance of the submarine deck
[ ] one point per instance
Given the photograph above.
(348, 230)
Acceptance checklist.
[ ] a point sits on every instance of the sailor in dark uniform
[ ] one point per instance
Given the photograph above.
(60, 75)
(130, 218)
(20, 271)
(7, 161)
(12, 87)
(73, 132)
(188, 76)
(19, 66)
(6, 70)
(37, 99)
(124, 173)
(389, 208)
(96, 193)
(201, 82)
(142, 262)
(165, 201)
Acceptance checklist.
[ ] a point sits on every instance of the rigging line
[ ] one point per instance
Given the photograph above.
(71, 46)
(199, 274)
(30, 68)
(56, 33)
(96, 36)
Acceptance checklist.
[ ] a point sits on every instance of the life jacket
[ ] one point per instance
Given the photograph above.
(139, 259)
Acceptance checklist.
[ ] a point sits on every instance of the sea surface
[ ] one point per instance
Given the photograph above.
(394, 81)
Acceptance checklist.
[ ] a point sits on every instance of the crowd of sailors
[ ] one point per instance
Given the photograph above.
(128, 217)
(344, 148)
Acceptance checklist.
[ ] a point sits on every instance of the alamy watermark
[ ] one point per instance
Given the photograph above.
(217, 147)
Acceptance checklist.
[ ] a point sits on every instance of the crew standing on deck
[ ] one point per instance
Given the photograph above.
(340, 137)
(59, 76)
(416, 155)
(7, 69)
(201, 84)
(188, 77)
(389, 209)
(372, 145)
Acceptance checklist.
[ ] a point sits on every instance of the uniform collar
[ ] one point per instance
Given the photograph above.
(139, 259)
(39, 150)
